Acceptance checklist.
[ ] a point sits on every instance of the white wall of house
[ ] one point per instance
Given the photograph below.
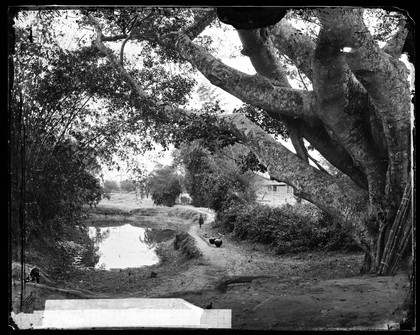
(186, 196)
(273, 193)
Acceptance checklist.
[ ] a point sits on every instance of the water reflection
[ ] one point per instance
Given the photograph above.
(124, 246)
(153, 236)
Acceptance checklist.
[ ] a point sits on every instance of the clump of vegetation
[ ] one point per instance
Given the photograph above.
(164, 185)
(214, 178)
(128, 185)
(186, 244)
(110, 186)
(287, 229)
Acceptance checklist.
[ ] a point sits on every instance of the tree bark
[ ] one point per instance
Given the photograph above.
(384, 78)
(331, 76)
(253, 89)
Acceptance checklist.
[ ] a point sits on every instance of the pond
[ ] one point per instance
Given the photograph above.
(128, 246)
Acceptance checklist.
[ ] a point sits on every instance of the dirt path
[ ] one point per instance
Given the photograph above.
(218, 257)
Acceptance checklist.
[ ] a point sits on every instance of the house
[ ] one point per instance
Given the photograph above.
(273, 193)
(183, 199)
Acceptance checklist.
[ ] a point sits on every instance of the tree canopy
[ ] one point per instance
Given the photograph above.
(352, 103)
(164, 185)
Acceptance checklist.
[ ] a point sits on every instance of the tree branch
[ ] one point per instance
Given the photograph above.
(347, 204)
(396, 43)
(200, 23)
(122, 50)
(295, 45)
(253, 89)
(113, 38)
(332, 151)
(114, 61)
(317, 164)
(258, 47)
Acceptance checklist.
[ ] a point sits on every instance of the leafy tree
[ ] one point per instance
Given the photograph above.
(111, 186)
(52, 169)
(164, 185)
(216, 180)
(127, 185)
(353, 105)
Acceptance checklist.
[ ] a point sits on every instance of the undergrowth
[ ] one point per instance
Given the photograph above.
(287, 229)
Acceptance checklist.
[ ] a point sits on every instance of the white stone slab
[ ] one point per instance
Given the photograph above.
(131, 313)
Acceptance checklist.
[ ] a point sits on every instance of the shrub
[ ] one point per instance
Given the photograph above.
(215, 181)
(127, 185)
(110, 186)
(164, 185)
(186, 244)
(287, 229)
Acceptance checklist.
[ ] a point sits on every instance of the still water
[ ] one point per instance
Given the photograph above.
(127, 246)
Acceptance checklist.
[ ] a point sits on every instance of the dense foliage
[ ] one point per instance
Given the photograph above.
(216, 180)
(287, 229)
(53, 153)
(127, 185)
(164, 185)
(111, 186)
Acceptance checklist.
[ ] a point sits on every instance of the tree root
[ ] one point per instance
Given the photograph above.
(79, 292)
(222, 285)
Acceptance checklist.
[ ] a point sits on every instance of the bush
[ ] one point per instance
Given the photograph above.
(186, 244)
(287, 229)
(215, 181)
(110, 186)
(164, 185)
(127, 185)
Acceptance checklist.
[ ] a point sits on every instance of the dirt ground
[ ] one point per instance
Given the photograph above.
(308, 291)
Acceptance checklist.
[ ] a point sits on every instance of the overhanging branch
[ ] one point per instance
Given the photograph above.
(114, 61)
(323, 190)
(253, 89)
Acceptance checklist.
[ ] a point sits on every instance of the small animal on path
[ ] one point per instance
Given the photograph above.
(213, 239)
(218, 242)
(33, 275)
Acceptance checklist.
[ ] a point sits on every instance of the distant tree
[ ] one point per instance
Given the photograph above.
(127, 185)
(111, 186)
(164, 185)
